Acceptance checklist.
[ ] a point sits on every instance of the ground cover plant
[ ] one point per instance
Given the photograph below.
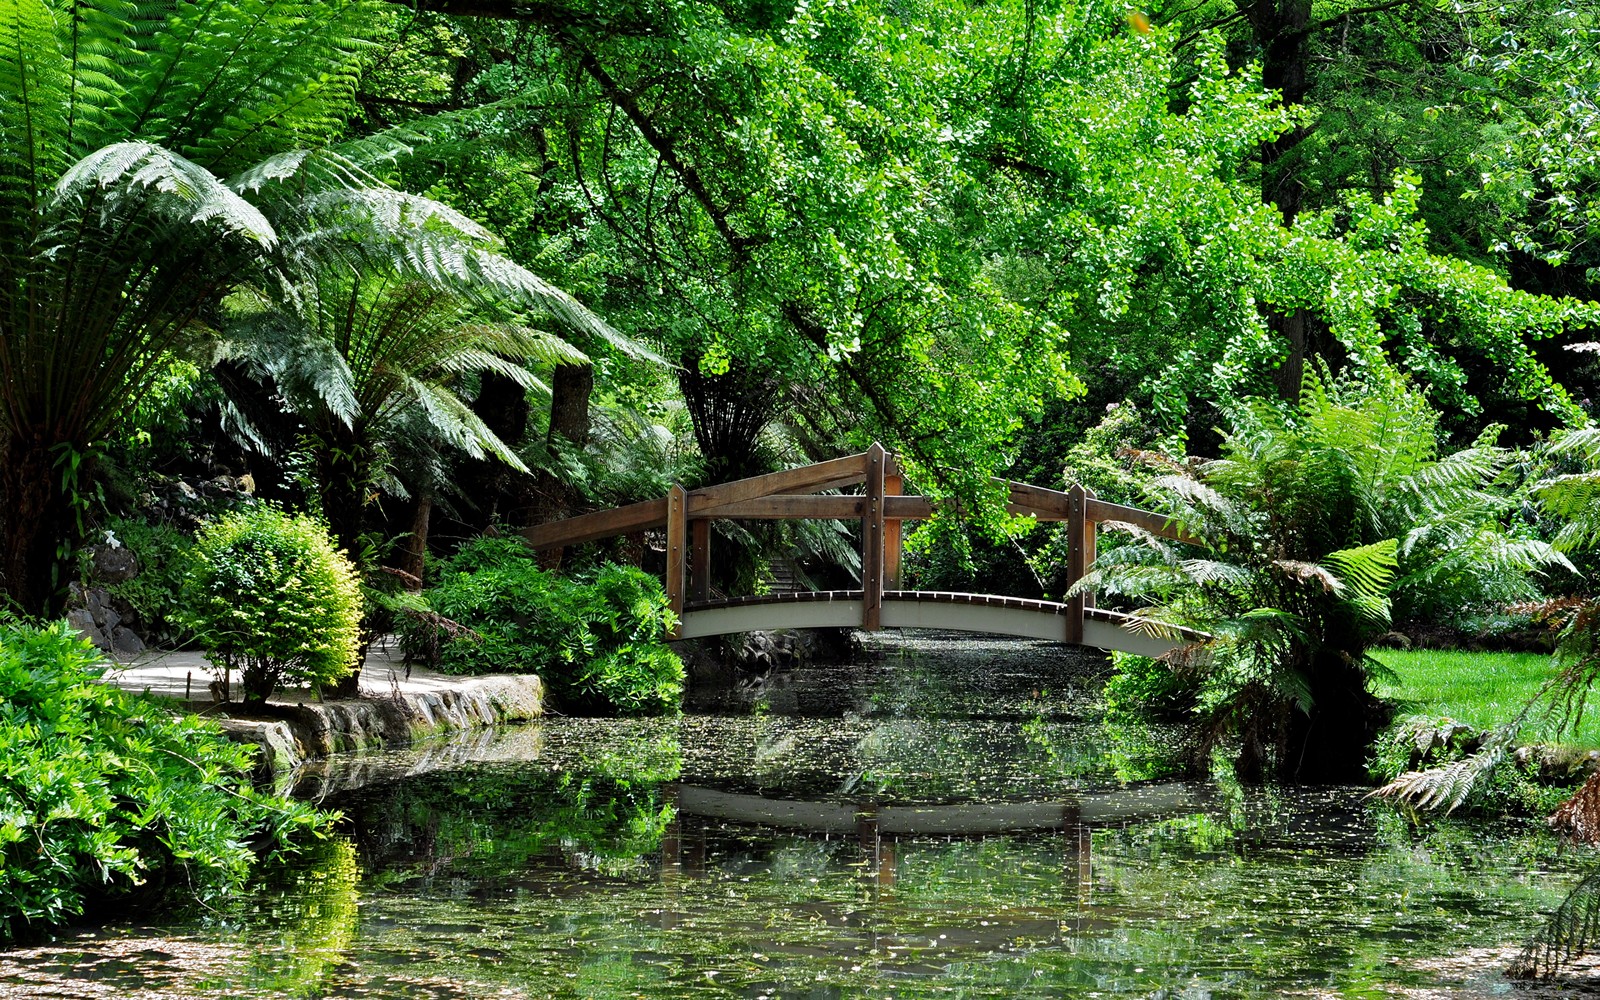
(108, 801)
(597, 641)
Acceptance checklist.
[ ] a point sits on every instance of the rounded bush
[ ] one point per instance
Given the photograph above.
(270, 596)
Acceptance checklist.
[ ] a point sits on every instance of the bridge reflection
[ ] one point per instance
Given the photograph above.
(878, 828)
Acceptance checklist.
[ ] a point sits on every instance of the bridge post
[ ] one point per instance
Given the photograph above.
(894, 485)
(700, 559)
(1080, 554)
(677, 539)
(872, 537)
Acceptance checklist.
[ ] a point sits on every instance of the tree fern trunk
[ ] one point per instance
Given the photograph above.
(416, 548)
(489, 486)
(549, 499)
(1331, 744)
(36, 517)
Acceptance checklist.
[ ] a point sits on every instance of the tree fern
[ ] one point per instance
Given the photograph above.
(1311, 520)
(116, 231)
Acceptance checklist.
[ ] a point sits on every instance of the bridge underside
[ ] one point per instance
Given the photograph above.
(1014, 616)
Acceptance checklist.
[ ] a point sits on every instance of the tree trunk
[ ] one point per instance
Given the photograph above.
(35, 518)
(1332, 744)
(489, 485)
(549, 498)
(416, 548)
(1282, 31)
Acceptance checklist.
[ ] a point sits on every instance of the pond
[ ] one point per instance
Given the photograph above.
(948, 818)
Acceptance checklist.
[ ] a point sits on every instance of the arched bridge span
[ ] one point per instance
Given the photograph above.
(882, 507)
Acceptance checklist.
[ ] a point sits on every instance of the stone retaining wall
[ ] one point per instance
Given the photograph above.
(287, 736)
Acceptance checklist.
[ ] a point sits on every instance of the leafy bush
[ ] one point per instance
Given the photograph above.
(269, 595)
(1145, 687)
(107, 799)
(595, 641)
(156, 594)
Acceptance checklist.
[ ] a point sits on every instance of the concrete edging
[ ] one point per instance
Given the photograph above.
(398, 706)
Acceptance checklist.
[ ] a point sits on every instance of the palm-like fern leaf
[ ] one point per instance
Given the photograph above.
(1446, 787)
(1367, 572)
(158, 181)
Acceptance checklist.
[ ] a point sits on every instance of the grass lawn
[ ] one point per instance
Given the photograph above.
(1480, 689)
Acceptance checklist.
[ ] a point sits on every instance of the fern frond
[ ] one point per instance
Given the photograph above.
(164, 183)
(1447, 786)
(1580, 441)
(1309, 572)
(1216, 573)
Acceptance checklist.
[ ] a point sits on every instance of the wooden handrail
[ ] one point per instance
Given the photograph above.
(832, 474)
(1156, 524)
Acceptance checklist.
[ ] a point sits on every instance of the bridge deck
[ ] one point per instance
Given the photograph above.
(1017, 616)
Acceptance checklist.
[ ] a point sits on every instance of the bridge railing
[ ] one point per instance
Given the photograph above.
(882, 508)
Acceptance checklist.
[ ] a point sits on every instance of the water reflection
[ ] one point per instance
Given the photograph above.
(898, 849)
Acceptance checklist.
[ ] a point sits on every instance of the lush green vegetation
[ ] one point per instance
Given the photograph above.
(110, 803)
(316, 247)
(1310, 524)
(1485, 690)
(1319, 281)
(597, 641)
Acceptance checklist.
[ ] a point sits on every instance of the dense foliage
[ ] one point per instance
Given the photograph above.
(157, 156)
(1310, 521)
(270, 597)
(108, 801)
(596, 641)
(154, 597)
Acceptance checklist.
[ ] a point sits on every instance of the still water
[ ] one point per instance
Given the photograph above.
(949, 818)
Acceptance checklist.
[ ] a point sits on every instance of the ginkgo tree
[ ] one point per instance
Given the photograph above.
(948, 214)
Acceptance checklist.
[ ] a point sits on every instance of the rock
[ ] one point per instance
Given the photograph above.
(114, 564)
(188, 492)
(124, 642)
(98, 604)
(83, 621)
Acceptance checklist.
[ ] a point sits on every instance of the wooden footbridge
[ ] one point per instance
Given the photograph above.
(882, 508)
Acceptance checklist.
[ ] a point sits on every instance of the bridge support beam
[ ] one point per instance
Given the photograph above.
(677, 543)
(872, 536)
(893, 485)
(1080, 556)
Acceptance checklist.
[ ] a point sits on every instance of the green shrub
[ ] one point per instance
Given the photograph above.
(1141, 686)
(108, 800)
(270, 596)
(596, 641)
(156, 594)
